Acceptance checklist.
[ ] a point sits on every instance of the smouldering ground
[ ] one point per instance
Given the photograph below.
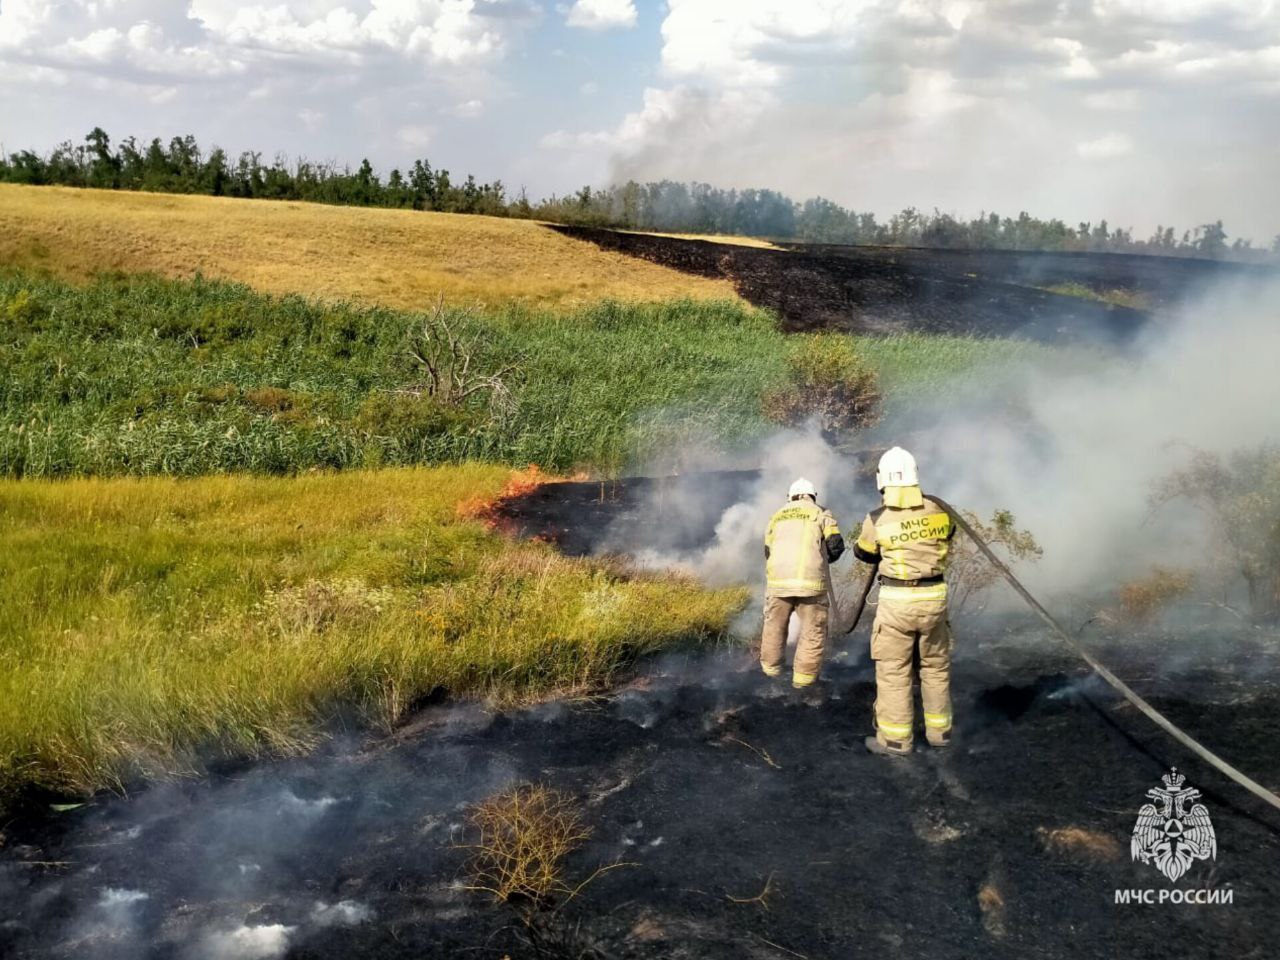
(396, 258)
(752, 826)
(150, 622)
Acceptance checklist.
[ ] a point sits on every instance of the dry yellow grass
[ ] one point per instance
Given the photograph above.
(397, 258)
(759, 242)
(162, 619)
(1080, 843)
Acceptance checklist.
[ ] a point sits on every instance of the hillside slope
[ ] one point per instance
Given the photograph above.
(397, 258)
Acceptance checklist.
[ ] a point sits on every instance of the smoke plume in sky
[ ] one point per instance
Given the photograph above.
(1139, 111)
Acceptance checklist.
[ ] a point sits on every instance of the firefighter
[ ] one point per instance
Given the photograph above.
(802, 539)
(907, 539)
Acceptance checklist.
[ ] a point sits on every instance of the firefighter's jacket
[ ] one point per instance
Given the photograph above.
(802, 539)
(907, 542)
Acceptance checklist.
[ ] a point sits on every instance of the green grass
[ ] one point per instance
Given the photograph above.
(147, 376)
(149, 624)
(1120, 298)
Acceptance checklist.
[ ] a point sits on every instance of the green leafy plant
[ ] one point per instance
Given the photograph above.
(969, 573)
(827, 381)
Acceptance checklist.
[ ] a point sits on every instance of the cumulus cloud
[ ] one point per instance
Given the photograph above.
(216, 36)
(331, 79)
(602, 14)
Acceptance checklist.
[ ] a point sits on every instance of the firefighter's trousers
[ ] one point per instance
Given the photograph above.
(905, 626)
(811, 646)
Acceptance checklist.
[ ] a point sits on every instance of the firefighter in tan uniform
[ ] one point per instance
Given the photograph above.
(907, 539)
(802, 539)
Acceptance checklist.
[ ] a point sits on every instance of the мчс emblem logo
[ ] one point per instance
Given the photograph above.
(1169, 835)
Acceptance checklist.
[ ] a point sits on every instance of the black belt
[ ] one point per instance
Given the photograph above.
(922, 582)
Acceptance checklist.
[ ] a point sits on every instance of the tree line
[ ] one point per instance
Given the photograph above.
(182, 167)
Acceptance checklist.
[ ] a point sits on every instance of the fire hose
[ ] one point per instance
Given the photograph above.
(1158, 718)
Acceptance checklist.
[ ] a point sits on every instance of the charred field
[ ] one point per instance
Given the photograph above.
(883, 290)
(1161, 281)
(745, 824)
(737, 819)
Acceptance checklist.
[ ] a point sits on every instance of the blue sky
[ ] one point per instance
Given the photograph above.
(1142, 111)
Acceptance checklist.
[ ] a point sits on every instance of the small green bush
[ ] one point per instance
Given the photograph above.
(827, 381)
(409, 416)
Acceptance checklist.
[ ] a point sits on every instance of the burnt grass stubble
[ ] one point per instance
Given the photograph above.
(884, 290)
(752, 824)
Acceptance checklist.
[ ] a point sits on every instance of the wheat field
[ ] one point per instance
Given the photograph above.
(394, 258)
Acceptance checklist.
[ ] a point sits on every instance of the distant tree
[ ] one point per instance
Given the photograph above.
(214, 175)
(104, 167)
(1211, 240)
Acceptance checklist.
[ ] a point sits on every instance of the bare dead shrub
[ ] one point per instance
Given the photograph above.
(452, 364)
(969, 573)
(1141, 599)
(828, 381)
(522, 837)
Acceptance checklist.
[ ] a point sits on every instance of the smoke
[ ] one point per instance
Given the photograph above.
(734, 553)
(1078, 459)
(115, 914)
(247, 943)
(272, 862)
(1072, 444)
(345, 913)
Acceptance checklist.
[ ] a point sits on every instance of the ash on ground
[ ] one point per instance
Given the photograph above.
(750, 823)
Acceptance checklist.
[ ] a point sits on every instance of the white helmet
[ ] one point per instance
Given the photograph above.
(897, 469)
(802, 488)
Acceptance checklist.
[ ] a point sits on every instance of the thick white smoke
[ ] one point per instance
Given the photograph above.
(1079, 465)
(1074, 450)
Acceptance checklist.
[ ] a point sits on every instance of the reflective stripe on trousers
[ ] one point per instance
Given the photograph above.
(910, 619)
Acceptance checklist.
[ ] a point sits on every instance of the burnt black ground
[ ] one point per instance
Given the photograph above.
(1161, 281)
(621, 516)
(711, 784)
(862, 856)
(818, 289)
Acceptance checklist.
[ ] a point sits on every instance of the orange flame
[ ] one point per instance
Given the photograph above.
(520, 483)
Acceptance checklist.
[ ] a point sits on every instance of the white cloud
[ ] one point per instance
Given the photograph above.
(22, 20)
(1236, 12)
(731, 41)
(442, 31)
(1105, 147)
(415, 136)
(1113, 100)
(312, 120)
(202, 38)
(602, 14)
(468, 109)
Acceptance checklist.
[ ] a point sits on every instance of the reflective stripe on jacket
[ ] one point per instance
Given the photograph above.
(796, 564)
